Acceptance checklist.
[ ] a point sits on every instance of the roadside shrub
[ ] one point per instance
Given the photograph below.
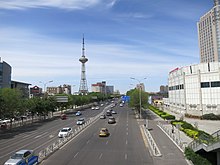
(195, 158)
(211, 116)
(191, 133)
(186, 125)
(192, 116)
(168, 117)
(176, 122)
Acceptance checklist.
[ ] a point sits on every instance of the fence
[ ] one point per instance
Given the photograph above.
(173, 136)
(60, 142)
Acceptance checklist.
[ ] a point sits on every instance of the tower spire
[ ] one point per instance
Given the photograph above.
(83, 89)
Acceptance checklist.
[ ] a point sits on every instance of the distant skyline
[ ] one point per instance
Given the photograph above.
(42, 40)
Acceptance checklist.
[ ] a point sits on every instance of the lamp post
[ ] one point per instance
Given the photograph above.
(139, 91)
(45, 83)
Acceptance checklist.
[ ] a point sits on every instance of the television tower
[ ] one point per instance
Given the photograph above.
(83, 89)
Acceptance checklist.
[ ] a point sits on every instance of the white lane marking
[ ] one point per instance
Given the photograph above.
(106, 142)
(126, 142)
(51, 136)
(127, 133)
(126, 156)
(76, 155)
(88, 142)
(127, 128)
(40, 135)
(100, 156)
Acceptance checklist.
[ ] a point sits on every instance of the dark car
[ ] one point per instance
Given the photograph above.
(63, 117)
(108, 113)
(111, 120)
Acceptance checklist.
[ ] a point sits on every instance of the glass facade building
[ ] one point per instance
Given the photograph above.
(5, 75)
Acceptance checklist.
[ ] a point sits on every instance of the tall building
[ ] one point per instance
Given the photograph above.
(5, 75)
(209, 34)
(83, 89)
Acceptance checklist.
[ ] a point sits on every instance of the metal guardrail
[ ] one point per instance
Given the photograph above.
(152, 143)
(175, 139)
(199, 144)
(60, 142)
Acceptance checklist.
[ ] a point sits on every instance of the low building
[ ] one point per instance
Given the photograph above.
(35, 91)
(194, 89)
(22, 86)
(101, 87)
(65, 89)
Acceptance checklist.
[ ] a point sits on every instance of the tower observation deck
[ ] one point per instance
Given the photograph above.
(83, 89)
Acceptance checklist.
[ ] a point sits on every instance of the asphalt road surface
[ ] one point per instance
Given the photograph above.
(38, 135)
(124, 146)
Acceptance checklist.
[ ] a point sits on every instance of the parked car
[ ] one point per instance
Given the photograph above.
(22, 157)
(80, 121)
(97, 107)
(64, 132)
(93, 108)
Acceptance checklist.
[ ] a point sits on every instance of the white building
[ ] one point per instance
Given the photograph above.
(209, 34)
(194, 89)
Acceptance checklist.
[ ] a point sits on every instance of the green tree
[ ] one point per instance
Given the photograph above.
(135, 98)
(11, 102)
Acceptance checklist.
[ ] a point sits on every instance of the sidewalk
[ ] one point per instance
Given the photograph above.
(209, 126)
(172, 154)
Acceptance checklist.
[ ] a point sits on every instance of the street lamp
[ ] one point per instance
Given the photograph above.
(139, 91)
(45, 83)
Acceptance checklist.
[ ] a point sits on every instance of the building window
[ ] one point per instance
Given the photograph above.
(205, 84)
(215, 84)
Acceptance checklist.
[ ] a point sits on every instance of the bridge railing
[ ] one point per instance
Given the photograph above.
(197, 142)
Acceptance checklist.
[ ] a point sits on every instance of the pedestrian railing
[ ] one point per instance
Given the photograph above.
(153, 146)
(207, 145)
(60, 142)
(177, 140)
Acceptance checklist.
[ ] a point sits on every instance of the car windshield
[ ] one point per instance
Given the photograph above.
(80, 119)
(17, 156)
(64, 130)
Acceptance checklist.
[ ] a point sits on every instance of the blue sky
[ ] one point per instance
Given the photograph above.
(42, 40)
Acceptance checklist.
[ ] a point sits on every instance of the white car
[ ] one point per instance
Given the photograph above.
(65, 132)
(97, 107)
(80, 121)
(93, 108)
(78, 113)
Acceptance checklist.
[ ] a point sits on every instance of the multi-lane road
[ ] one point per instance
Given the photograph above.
(124, 146)
(37, 136)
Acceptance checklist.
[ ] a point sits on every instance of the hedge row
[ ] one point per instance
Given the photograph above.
(193, 132)
(210, 116)
(195, 158)
(162, 114)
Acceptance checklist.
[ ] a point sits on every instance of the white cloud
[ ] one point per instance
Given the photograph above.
(34, 58)
(64, 4)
